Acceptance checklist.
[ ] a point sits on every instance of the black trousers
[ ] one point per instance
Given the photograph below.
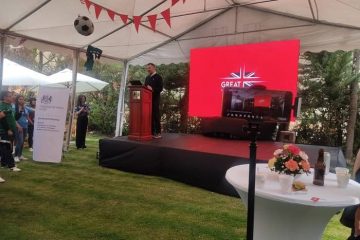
(7, 159)
(30, 135)
(81, 128)
(156, 126)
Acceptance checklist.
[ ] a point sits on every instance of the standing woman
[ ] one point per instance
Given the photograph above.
(82, 111)
(22, 119)
(32, 105)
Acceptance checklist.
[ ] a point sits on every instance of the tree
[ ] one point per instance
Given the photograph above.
(104, 103)
(354, 86)
(324, 87)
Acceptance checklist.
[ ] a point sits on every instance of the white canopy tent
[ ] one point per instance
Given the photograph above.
(84, 83)
(319, 24)
(17, 75)
(48, 24)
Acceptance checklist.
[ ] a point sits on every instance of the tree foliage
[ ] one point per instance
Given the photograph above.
(324, 87)
(104, 103)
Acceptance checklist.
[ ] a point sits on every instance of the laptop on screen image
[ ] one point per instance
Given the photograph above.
(136, 83)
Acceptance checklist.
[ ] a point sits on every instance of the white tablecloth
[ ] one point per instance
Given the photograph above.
(298, 215)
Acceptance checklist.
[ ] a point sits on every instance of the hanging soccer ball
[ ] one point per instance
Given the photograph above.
(84, 25)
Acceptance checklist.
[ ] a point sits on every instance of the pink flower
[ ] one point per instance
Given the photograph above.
(303, 155)
(278, 152)
(292, 165)
(305, 165)
(294, 149)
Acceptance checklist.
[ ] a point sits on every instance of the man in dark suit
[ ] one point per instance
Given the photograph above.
(155, 83)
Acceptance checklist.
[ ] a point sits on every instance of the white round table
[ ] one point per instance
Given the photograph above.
(294, 215)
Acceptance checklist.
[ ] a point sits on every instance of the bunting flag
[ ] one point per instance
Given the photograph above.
(173, 2)
(166, 15)
(88, 4)
(111, 14)
(124, 18)
(97, 10)
(152, 20)
(137, 20)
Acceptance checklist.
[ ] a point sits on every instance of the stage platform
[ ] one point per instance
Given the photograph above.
(193, 159)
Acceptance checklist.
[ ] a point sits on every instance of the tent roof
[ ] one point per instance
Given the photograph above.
(319, 24)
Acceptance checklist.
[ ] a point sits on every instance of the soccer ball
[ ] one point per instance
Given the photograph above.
(84, 25)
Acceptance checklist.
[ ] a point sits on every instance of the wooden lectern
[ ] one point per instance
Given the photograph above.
(140, 113)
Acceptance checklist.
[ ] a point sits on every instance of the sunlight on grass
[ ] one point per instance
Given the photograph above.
(77, 199)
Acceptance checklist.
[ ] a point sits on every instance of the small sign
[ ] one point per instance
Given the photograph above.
(136, 95)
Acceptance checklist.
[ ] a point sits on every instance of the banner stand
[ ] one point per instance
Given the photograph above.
(49, 124)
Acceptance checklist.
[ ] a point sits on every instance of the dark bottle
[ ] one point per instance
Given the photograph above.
(319, 170)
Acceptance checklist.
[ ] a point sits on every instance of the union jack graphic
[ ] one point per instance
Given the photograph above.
(248, 79)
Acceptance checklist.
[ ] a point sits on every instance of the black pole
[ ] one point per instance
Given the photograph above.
(253, 130)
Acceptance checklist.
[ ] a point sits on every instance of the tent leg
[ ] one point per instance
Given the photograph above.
(2, 53)
(121, 104)
(76, 54)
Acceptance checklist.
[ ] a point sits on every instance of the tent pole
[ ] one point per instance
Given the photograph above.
(121, 104)
(76, 54)
(2, 53)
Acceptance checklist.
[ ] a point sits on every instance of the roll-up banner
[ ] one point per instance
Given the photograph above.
(49, 124)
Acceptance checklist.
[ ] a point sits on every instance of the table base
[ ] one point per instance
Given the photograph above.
(276, 220)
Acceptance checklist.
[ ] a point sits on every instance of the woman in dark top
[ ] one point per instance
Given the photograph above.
(82, 111)
(32, 104)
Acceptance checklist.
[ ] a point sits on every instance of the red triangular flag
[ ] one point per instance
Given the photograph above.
(97, 10)
(152, 20)
(124, 18)
(166, 15)
(111, 14)
(137, 20)
(173, 2)
(88, 4)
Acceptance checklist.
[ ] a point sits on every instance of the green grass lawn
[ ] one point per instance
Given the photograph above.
(77, 199)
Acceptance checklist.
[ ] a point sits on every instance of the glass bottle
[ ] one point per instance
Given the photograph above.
(319, 169)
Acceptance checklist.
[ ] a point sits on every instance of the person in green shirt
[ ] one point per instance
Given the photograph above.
(7, 130)
(2, 115)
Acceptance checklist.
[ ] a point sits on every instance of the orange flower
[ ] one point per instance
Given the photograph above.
(292, 165)
(305, 165)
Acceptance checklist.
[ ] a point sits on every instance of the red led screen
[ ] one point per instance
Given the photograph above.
(271, 64)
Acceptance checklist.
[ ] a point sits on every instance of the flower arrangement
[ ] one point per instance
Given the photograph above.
(289, 160)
